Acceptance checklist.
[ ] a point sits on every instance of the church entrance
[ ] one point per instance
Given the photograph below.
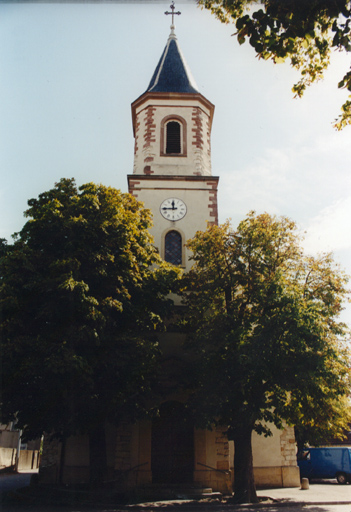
(172, 449)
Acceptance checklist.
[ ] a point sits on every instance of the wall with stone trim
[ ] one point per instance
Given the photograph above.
(149, 156)
(212, 460)
(199, 194)
(274, 459)
(288, 447)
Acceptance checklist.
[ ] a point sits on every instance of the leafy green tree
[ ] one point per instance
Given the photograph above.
(303, 31)
(263, 323)
(320, 427)
(83, 293)
(3, 246)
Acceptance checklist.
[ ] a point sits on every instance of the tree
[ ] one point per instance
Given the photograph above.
(304, 32)
(330, 422)
(83, 293)
(263, 323)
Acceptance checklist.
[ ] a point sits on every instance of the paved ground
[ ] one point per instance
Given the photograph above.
(327, 496)
(322, 492)
(10, 481)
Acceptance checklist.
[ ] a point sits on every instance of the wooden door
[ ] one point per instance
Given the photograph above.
(172, 451)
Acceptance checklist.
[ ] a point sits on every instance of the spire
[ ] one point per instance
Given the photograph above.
(178, 13)
(172, 73)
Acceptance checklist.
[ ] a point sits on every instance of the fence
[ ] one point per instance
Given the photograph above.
(28, 459)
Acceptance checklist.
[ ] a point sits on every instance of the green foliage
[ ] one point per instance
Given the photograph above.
(303, 31)
(82, 297)
(3, 247)
(265, 328)
(319, 427)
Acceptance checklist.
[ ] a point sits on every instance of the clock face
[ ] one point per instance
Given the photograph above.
(173, 209)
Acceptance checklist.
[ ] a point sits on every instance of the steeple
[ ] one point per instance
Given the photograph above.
(172, 73)
(172, 175)
(172, 120)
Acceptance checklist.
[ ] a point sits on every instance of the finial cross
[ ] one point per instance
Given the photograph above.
(173, 13)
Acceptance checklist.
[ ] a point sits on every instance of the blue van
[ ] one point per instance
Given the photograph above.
(326, 463)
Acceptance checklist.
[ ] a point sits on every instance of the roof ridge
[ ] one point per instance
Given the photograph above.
(171, 36)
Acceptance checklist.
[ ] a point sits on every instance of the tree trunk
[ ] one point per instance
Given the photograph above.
(300, 440)
(97, 456)
(62, 460)
(244, 484)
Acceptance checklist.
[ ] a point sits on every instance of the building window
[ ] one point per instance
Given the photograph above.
(173, 138)
(173, 247)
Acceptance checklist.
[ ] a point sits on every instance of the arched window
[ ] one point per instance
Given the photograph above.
(173, 134)
(173, 247)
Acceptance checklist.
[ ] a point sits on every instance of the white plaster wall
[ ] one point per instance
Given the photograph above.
(196, 197)
(267, 450)
(8, 438)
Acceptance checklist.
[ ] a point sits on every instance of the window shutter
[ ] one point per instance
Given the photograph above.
(173, 137)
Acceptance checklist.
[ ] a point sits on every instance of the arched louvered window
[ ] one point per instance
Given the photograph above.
(173, 247)
(173, 134)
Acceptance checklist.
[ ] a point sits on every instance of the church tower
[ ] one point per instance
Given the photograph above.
(172, 124)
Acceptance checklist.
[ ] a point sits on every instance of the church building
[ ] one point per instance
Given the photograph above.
(172, 176)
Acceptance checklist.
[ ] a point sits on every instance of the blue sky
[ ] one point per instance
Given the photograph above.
(69, 72)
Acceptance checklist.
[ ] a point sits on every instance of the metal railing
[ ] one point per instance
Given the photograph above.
(224, 471)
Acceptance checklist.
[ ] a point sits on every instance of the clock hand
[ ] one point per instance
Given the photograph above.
(170, 208)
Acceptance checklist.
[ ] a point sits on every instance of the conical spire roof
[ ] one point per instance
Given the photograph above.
(172, 73)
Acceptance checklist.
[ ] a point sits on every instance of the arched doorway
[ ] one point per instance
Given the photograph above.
(172, 448)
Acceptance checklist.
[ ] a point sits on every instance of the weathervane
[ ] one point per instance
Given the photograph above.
(173, 13)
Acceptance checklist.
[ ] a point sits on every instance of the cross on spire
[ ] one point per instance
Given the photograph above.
(173, 13)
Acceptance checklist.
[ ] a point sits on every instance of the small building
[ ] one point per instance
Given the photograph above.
(14, 454)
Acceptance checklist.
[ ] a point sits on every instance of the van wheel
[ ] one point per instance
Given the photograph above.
(341, 478)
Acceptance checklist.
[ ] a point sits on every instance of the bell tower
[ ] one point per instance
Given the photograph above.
(172, 124)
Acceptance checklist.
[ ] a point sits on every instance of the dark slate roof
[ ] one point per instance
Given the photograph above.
(172, 73)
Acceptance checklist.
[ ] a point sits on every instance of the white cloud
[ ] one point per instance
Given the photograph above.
(257, 187)
(330, 230)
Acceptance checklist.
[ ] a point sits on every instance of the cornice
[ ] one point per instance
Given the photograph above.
(163, 177)
(171, 96)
